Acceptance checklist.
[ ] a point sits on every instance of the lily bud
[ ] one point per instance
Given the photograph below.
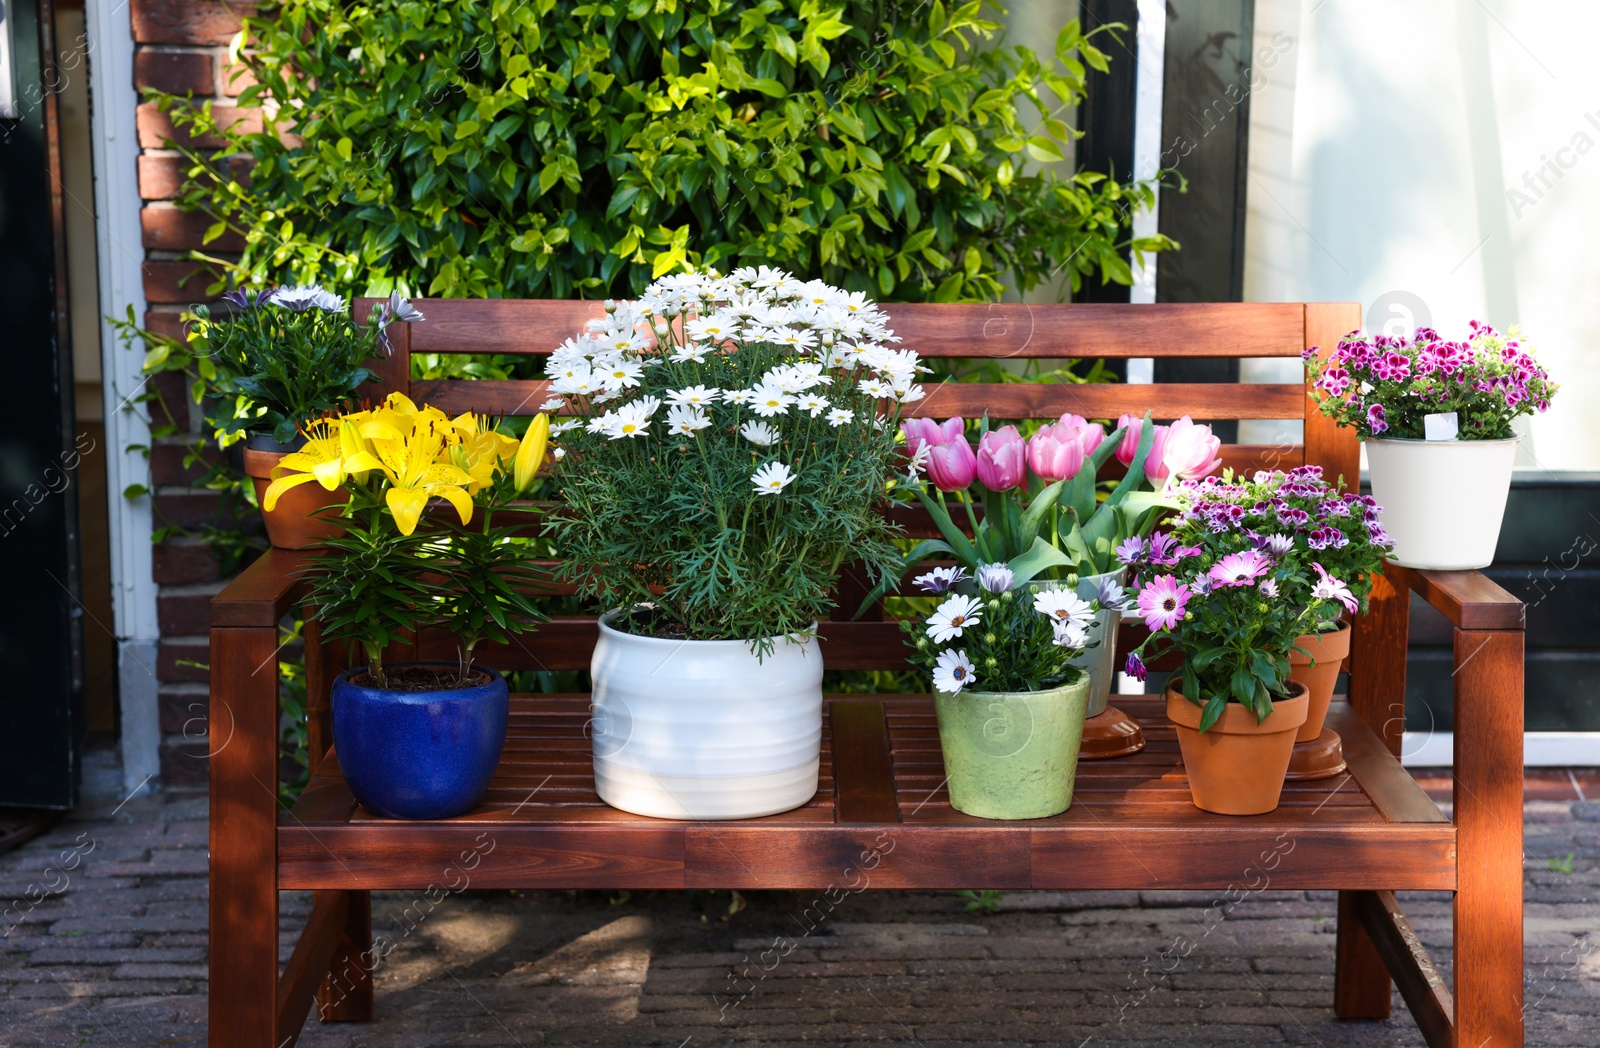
(530, 452)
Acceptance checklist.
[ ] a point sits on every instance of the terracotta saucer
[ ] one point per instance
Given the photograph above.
(1110, 733)
(1321, 758)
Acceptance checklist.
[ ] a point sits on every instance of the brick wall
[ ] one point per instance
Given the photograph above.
(180, 46)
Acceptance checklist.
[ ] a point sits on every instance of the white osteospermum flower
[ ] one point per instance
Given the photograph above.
(1063, 606)
(953, 616)
(759, 433)
(685, 420)
(996, 578)
(953, 672)
(840, 416)
(772, 478)
(1070, 634)
(815, 403)
(693, 396)
(767, 400)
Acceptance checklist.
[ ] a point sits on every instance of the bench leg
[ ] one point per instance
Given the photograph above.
(1488, 816)
(244, 859)
(346, 994)
(1360, 980)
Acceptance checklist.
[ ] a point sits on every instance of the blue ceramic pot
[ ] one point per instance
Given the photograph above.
(419, 754)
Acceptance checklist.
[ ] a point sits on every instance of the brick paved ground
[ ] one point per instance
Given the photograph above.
(114, 954)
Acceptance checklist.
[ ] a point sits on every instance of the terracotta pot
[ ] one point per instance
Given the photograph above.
(1236, 767)
(291, 524)
(1329, 650)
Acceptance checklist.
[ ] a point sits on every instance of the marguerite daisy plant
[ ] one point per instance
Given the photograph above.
(735, 437)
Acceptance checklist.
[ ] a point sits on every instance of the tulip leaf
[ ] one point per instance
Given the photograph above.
(1041, 557)
(1039, 506)
(1135, 474)
(960, 545)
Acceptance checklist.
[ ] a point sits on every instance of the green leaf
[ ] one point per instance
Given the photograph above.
(959, 543)
(1040, 557)
(1213, 710)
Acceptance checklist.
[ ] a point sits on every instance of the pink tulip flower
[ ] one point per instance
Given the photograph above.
(1089, 434)
(1189, 451)
(952, 465)
(1055, 453)
(1132, 425)
(1002, 459)
(920, 431)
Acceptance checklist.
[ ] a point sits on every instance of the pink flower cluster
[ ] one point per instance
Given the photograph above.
(1385, 385)
(1003, 459)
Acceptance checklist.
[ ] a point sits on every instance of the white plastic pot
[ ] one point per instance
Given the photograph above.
(1442, 500)
(705, 729)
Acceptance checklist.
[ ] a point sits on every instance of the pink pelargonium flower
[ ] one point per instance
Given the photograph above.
(1240, 569)
(920, 431)
(1189, 451)
(952, 465)
(1055, 453)
(1163, 602)
(1002, 459)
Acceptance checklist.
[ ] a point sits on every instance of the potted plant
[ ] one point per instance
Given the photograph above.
(420, 740)
(1231, 602)
(1328, 526)
(278, 358)
(1042, 517)
(1436, 418)
(730, 445)
(1009, 700)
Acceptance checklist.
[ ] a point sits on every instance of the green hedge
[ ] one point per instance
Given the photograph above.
(544, 149)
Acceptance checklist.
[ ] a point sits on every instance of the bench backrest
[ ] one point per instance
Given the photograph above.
(1004, 331)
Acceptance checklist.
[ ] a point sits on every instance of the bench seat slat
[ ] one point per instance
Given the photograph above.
(1131, 823)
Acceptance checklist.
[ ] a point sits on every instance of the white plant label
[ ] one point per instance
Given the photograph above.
(1440, 427)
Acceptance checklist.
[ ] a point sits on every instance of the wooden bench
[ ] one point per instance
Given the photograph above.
(882, 807)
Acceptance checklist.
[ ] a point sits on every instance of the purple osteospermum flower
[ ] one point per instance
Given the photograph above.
(996, 578)
(1135, 667)
(244, 299)
(1240, 569)
(1163, 602)
(1330, 588)
(1268, 587)
(1132, 550)
(1111, 594)
(939, 580)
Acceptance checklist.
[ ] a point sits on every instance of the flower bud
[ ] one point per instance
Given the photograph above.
(990, 638)
(991, 663)
(1008, 596)
(994, 604)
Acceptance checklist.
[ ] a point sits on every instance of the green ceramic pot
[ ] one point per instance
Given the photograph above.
(1012, 755)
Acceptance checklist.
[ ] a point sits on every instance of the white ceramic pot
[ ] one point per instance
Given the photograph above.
(705, 729)
(1099, 661)
(1442, 500)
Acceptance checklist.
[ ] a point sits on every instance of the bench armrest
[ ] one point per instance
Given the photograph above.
(264, 592)
(1467, 598)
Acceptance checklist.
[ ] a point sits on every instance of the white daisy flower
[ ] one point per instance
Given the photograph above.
(759, 433)
(582, 382)
(622, 374)
(714, 329)
(558, 428)
(632, 421)
(1063, 606)
(875, 388)
(738, 396)
(553, 404)
(909, 394)
(919, 462)
(772, 478)
(693, 396)
(606, 425)
(815, 403)
(840, 416)
(627, 341)
(953, 616)
(685, 420)
(690, 353)
(953, 672)
(769, 400)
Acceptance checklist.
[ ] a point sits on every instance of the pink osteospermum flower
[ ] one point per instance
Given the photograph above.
(1240, 569)
(1330, 588)
(1163, 602)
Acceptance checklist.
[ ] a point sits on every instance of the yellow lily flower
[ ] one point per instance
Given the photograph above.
(322, 460)
(530, 452)
(482, 455)
(418, 468)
